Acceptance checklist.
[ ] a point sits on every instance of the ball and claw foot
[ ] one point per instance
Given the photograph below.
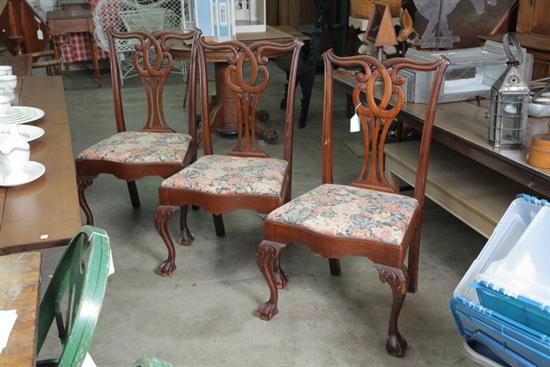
(186, 238)
(396, 345)
(267, 311)
(166, 268)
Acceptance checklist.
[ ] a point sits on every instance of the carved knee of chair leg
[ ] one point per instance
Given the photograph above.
(83, 182)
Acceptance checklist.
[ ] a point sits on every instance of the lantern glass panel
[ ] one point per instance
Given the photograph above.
(508, 119)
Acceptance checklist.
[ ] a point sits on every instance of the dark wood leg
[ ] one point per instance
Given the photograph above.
(134, 196)
(195, 207)
(280, 277)
(83, 182)
(218, 225)
(265, 257)
(306, 85)
(95, 59)
(186, 237)
(414, 258)
(397, 280)
(335, 268)
(162, 214)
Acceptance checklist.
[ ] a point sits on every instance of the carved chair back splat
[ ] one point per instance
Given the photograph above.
(370, 221)
(377, 115)
(156, 150)
(248, 87)
(153, 62)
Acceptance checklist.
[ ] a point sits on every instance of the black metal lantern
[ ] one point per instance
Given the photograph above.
(509, 103)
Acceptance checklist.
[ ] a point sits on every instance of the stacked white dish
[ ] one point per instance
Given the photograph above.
(15, 167)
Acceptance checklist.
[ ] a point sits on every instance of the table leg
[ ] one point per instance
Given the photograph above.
(224, 117)
(95, 61)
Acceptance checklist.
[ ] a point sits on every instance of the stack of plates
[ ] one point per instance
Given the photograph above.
(22, 115)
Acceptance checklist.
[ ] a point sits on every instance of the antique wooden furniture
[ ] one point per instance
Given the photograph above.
(75, 295)
(75, 21)
(45, 212)
(156, 150)
(246, 178)
(365, 218)
(25, 32)
(19, 290)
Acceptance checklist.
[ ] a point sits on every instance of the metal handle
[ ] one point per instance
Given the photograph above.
(506, 44)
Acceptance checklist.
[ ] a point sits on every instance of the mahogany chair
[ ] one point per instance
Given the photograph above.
(245, 178)
(368, 217)
(155, 150)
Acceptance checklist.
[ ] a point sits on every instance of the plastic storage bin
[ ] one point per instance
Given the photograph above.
(502, 302)
(520, 309)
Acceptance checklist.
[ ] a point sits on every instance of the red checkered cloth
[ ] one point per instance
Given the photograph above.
(76, 46)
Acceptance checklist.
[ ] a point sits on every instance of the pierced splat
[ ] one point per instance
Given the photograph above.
(247, 77)
(376, 116)
(153, 63)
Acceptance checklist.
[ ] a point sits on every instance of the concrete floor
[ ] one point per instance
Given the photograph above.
(204, 314)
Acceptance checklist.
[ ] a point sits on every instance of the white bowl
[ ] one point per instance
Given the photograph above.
(5, 70)
(8, 82)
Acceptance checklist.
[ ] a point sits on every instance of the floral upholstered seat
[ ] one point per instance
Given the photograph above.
(139, 147)
(224, 174)
(347, 211)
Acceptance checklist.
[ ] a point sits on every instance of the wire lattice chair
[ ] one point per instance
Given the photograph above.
(140, 16)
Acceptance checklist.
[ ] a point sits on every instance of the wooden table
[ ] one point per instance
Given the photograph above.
(21, 64)
(223, 111)
(75, 21)
(19, 290)
(44, 213)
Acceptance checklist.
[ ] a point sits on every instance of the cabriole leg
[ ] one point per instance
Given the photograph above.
(83, 182)
(397, 280)
(162, 214)
(186, 237)
(265, 257)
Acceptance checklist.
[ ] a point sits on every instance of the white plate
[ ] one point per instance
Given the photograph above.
(28, 132)
(22, 115)
(31, 172)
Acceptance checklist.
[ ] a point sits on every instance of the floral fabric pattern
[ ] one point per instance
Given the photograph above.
(139, 147)
(347, 211)
(224, 174)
